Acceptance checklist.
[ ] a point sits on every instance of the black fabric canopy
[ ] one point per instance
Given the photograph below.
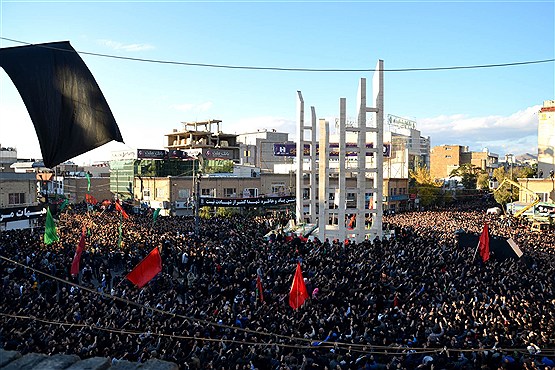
(499, 247)
(68, 110)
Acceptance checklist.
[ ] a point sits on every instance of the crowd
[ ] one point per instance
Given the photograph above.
(415, 300)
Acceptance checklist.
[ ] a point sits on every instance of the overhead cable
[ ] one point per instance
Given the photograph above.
(290, 69)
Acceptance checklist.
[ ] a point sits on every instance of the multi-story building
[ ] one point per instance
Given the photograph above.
(546, 139)
(418, 146)
(446, 158)
(127, 165)
(176, 194)
(200, 138)
(257, 148)
(485, 160)
(19, 192)
(8, 156)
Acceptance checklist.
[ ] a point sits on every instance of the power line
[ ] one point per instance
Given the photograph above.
(308, 343)
(286, 69)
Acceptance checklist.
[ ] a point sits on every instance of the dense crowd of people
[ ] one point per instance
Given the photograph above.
(416, 300)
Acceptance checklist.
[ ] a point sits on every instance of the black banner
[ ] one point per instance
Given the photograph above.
(499, 247)
(21, 213)
(246, 202)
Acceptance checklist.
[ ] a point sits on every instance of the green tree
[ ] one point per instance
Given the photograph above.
(226, 211)
(482, 181)
(428, 189)
(205, 212)
(506, 193)
(468, 173)
(509, 193)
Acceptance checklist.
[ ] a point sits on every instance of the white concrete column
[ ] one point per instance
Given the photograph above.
(323, 178)
(342, 172)
(300, 159)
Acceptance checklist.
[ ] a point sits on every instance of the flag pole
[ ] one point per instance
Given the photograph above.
(476, 251)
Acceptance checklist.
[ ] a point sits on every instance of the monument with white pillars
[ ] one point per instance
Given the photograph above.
(349, 187)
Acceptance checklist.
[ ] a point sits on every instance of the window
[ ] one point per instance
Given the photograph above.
(306, 193)
(230, 192)
(207, 192)
(351, 200)
(146, 193)
(250, 192)
(16, 198)
(331, 201)
(161, 193)
(184, 193)
(369, 200)
(278, 188)
(447, 156)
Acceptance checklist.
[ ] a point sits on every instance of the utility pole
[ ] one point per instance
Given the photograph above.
(197, 204)
(196, 177)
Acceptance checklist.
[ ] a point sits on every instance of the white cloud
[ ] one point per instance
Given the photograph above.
(193, 108)
(516, 133)
(118, 46)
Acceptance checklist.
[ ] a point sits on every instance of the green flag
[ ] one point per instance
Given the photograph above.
(88, 182)
(64, 204)
(50, 233)
(155, 215)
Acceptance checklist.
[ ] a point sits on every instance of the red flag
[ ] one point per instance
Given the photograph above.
(148, 268)
(259, 286)
(298, 293)
(352, 222)
(90, 199)
(483, 244)
(123, 213)
(78, 252)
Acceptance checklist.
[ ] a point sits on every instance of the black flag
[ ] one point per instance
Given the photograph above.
(70, 114)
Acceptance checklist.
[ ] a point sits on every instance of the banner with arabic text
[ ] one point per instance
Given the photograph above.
(247, 202)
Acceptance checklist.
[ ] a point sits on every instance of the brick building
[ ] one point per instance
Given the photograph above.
(446, 158)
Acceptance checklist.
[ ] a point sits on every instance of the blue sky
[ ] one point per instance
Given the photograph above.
(491, 107)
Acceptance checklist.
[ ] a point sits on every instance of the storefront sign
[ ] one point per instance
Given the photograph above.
(151, 154)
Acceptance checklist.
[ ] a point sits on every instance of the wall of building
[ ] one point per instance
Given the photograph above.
(257, 148)
(75, 188)
(444, 158)
(545, 188)
(181, 189)
(396, 194)
(15, 183)
(546, 138)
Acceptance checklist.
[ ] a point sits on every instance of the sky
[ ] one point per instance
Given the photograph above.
(494, 108)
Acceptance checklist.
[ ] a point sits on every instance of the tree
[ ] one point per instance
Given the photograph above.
(226, 212)
(509, 193)
(205, 212)
(428, 189)
(506, 193)
(468, 173)
(482, 181)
